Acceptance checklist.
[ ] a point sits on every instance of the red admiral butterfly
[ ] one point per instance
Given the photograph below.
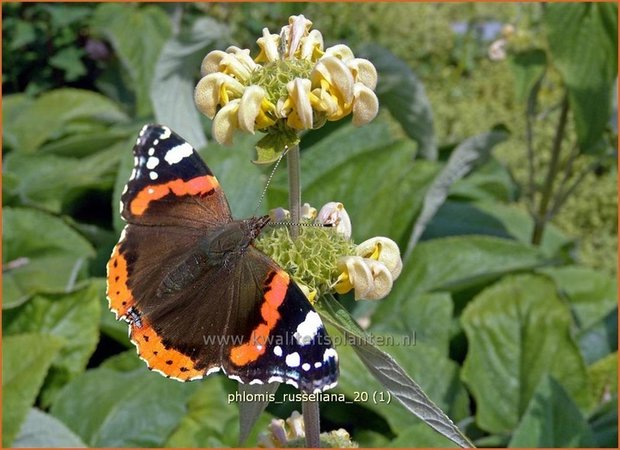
(198, 296)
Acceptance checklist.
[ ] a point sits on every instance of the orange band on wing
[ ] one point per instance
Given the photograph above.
(170, 362)
(195, 186)
(120, 298)
(251, 350)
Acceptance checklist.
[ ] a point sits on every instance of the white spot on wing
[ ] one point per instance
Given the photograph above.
(156, 141)
(176, 154)
(305, 366)
(318, 364)
(151, 151)
(153, 175)
(125, 189)
(277, 350)
(306, 331)
(330, 353)
(152, 162)
(256, 381)
(292, 360)
(212, 370)
(166, 133)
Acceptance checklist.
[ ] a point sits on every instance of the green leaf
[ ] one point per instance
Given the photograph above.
(604, 424)
(493, 219)
(69, 60)
(462, 160)
(591, 294)
(490, 182)
(133, 409)
(42, 430)
(518, 331)
(73, 317)
(427, 316)
(138, 34)
(172, 89)
(551, 420)
(528, 66)
(272, 145)
(420, 436)
(212, 419)
(393, 377)
(36, 262)
(25, 361)
(46, 117)
(584, 48)
(403, 94)
(603, 376)
(50, 182)
(384, 187)
(456, 263)
(600, 339)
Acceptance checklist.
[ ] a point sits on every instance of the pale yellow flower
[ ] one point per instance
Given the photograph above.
(334, 214)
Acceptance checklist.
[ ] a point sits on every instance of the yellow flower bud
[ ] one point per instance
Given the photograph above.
(250, 107)
(334, 214)
(225, 122)
(215, 89)
(300, 116)
(365, 105)
(355, 274)
(268, 45)
(382, 280)
(363, 71)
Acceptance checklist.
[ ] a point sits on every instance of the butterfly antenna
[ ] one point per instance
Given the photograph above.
(271, 175)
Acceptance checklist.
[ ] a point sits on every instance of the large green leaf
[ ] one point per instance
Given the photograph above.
(456, 263)
(25, 361)
(493, 219)
(604, 379)
(73, 317)
(390, 376)
(591, 294)
(518, 331)
(583, 40)
(41, 254)
(137, 33)
(47, 117)
(384, 185)
(40, 430)
(551, 420)
(108, 408)
(528, 67)
(212, 419)
(427, 317)
(49, 181)
(403, 94)
(604, 424)
(173, 84)
(462, 160)
(420, 436)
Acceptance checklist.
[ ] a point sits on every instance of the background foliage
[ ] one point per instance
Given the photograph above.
(516, 342)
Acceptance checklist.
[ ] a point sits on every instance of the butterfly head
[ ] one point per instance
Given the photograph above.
(255, 225)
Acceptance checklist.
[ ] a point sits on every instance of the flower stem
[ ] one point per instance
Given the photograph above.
(294, 188)
(310, 411)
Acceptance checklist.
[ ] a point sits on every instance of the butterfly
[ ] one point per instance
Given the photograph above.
(198, 296)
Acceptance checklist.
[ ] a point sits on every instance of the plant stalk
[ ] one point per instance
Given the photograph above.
(294, 188)
(541, 219)
(310, 411)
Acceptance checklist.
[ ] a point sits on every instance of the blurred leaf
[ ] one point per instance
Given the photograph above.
(49, 181)
(584, 48)
(603, 376)
(490, 182)
(126, 361)
(459, 262)
(604, 424)
(492, 219)
(518, 331)
(251, 411)
(91, 139)
(12, 106)
(420, 436)
(462, 160)
(591, 294)
(528, 66)
(25, 360)
(133, 409)
(45, 118)
(44, 431)
(394, 378)
(41, 254)
(138, 34)
(403, 94)
(384, 185)
(69, 60)
(551, 420)
(172, 90)
(116, 329)
(600, 339)
(212, 419)
(73, 317)
(427, 316)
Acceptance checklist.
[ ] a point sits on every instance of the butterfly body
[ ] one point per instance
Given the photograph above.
(198, 296)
